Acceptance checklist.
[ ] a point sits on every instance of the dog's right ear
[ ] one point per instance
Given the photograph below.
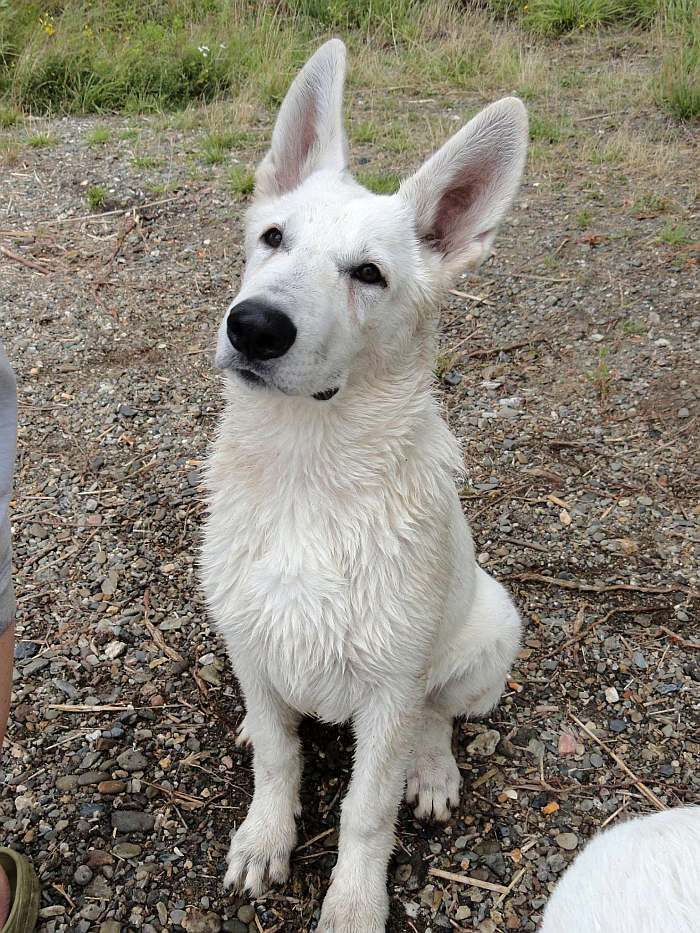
(308, 134)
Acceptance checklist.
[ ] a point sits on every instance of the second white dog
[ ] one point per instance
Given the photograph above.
(337, 563)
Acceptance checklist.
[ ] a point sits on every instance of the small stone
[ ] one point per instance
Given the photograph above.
(127, 411)
(200, 921)
(114, 649)
(110, 787)
(110, 926)
(485, 743)
(611, 695)
(639, 661)
(234, 926)
(567, 841)
(132, 821)
(82, 875)
(210, 674)
(97, 858)
(453, 378)
(67, 782)
(246, 913)
(126, 850)
(617, 725)
(684, 413)
(92, 777)
(25, 650)
(132, 760)
(567, 744)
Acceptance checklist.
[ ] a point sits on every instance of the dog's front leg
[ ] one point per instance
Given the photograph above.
(262, 845)
(357, 900)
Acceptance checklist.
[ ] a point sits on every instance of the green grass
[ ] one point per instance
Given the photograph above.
(556, 17)
(241, 180)
(601, 376)
(98, 137)
(8, 118)
(678, 84)
(584, 218)
(96, 197)
(365, 132)
(544, 129)
(145, 161)
(216, 146)
(41, 141)
(386, 183)
(674, 234)
(165, 56)
(633, 328)
(650, 203)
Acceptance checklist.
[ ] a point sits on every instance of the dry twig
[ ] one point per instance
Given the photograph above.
(639, 784)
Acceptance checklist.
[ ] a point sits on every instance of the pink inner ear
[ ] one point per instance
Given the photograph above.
(302, 137)
(450, 214)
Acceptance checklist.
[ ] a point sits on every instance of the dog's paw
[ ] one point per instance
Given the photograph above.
(242, 734)
(433, 784)
(353, 909)
(259, 855)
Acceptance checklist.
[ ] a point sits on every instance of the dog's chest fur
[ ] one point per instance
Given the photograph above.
(324, 551)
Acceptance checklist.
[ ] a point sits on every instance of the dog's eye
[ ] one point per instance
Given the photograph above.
(369, 274)
(273, 237)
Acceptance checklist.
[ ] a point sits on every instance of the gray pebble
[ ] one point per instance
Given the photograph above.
(82, 875)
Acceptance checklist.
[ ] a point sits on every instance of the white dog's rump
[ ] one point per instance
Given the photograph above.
(642, 876)
(337, 563)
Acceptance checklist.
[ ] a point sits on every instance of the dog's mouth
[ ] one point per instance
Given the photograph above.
(253, 379)
(325, 396)
(247, 375)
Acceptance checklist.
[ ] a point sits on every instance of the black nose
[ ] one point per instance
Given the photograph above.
(259, 331)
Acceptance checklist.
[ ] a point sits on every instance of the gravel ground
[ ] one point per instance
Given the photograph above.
(569, 368)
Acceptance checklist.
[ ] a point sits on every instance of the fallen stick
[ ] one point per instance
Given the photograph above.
(310, 842)
(467, 879)
(516, 878)
(691, 645)
(575, 639)
(639, 784)
(477, 298)
(594, 588)
(23, 261)
(114, 213)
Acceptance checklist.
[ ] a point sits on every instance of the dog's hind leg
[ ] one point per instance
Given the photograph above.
(469, 670)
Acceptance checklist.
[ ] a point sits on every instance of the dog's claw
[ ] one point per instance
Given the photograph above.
(242, 735)
(433, 784)
(259, 855)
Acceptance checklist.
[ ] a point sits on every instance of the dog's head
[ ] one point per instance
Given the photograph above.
(338, 279)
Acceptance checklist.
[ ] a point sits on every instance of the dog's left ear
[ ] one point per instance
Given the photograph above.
(461, 194)
(308, 134)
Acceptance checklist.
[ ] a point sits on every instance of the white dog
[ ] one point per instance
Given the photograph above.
(640, 877)
(337, 563)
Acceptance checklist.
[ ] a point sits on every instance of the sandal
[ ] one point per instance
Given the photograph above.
(24, 892)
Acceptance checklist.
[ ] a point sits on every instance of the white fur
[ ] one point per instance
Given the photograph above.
(337, 563)
(642, 876)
